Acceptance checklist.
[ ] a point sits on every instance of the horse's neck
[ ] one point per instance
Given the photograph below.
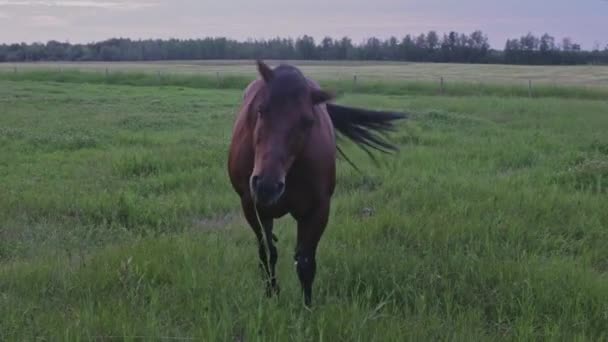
(251, 93)
(249, 97)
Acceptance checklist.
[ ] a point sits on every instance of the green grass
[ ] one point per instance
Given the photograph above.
(381, 87)
(117, 219)
(580, 75)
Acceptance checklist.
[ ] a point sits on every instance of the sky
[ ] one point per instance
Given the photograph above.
(82, 21)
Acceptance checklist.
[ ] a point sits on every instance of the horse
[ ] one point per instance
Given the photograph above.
(282, 160)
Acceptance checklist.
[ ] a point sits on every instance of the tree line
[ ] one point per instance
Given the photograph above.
(452, 47)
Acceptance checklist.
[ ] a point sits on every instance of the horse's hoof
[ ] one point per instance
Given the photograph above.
(272, 290)
(308, 306)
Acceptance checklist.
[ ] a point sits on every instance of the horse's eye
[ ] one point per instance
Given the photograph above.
(263, 110)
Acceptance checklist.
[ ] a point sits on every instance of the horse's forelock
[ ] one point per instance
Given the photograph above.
(288, 83)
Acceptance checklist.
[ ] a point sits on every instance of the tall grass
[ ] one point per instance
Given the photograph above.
(389, 87)
(118, 222)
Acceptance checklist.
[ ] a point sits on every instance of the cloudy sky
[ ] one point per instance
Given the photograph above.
(586, 21)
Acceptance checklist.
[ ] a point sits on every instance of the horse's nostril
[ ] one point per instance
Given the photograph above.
(266, 191)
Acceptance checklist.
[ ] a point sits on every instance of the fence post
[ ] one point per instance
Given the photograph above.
(159, 77)
(354, 82)
(441, 86)
(217, 78)
(530, 88)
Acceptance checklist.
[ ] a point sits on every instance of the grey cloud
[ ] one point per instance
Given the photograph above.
(90, 20)
(46, 21)
(118, 5)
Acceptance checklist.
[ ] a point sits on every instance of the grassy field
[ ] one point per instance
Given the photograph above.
(117, 222)
(585, 75)
(388, 86)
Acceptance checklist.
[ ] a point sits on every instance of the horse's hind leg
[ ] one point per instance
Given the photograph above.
(310, 230)
(267, 266)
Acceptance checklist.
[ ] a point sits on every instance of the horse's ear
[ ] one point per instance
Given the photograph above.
(265, 71)
(320, 96)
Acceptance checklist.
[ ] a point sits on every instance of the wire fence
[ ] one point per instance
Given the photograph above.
(358, 83)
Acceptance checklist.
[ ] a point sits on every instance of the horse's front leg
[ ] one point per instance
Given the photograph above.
(310, 230)
(268, 265)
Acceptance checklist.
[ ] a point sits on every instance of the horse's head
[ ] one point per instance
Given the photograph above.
(284, 120)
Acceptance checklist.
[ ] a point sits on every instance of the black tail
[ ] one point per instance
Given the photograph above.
(364, 127)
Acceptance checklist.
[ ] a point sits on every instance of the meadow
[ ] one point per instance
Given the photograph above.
(514, 75)
(118, 222)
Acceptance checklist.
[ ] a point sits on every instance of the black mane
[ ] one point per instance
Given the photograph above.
(367, 128)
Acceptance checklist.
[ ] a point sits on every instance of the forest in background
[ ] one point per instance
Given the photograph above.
(452, 47)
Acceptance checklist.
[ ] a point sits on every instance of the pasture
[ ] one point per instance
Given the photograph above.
(582, 75)
(118, 222)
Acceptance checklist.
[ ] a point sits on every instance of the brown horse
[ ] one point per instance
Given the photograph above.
(282, 160)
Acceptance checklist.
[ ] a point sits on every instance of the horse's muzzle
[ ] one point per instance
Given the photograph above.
(266, 191)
